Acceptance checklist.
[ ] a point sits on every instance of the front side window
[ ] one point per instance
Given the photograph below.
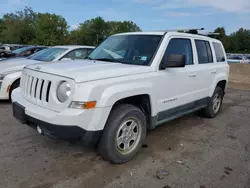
(204, 51)
(27, 53)
(180, 46)
(220, 57)
(128, 49)
(77, 54)
(48, 54)
(90, 50)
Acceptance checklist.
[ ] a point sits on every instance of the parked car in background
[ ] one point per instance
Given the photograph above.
(245, 59)
(22, 52)
(238, 58)
(10, 69)
(234, 59)
(9, 47)
(5, 49)
(248, 57)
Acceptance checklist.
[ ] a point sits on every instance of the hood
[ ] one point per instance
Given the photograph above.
(15, 64)
(89, 70)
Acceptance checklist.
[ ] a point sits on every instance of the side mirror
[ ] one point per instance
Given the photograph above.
(174, 60)
(65, 59)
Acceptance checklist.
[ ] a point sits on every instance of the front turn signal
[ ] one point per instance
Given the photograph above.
(89, 105)
(83, 105)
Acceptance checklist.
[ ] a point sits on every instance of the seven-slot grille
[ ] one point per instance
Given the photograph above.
(35, 88)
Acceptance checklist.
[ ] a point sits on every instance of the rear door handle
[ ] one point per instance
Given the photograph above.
(213, 72)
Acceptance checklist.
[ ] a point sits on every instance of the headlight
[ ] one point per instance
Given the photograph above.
(63, 91)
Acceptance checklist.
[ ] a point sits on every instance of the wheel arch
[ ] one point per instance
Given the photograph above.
(142, 101)
(12, 85)
(222, 82)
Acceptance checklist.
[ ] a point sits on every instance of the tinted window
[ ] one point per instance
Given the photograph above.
(180, 46)
(27, 53)
(204, 51)
(220, 57)
(90, 50)
(77, 54)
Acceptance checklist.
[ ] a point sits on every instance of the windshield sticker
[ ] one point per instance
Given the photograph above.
(143, 58)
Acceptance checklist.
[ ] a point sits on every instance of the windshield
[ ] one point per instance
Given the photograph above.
(48, 54)
(20, 50)
(130, 49)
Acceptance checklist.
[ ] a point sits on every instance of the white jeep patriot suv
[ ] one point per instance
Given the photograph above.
(129, 84)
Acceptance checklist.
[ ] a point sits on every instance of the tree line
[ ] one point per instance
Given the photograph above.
(29, 27)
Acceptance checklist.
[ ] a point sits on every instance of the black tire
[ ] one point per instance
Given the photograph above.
(209, 111)
(15, 85)
(107, 146)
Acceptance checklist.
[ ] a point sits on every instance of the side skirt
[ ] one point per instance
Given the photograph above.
(177, 112)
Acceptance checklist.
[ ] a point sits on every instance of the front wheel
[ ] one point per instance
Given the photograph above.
(214, 104)
(124, 134)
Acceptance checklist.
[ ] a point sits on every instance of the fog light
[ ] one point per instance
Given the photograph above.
(39, 130)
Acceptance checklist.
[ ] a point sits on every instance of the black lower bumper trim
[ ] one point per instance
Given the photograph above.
(69, 133)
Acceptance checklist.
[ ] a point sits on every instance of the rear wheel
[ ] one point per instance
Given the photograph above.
(15, 85)
(123, 135)
(214, 104)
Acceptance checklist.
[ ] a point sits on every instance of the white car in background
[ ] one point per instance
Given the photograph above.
(10, 69)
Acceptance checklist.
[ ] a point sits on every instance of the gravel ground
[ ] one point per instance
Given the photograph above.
(190, 152)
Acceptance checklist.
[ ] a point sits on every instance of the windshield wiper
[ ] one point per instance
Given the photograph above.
(88, 58)
(106, 59)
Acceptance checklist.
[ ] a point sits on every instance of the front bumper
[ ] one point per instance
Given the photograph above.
(69, 133)
(69, 124)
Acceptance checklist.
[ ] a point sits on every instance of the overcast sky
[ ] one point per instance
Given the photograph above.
(148, 14)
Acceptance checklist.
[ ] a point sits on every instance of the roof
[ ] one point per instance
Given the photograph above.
(143, 33)
(73, 46)
(200, 36)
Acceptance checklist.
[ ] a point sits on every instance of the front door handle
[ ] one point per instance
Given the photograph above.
(193, 75)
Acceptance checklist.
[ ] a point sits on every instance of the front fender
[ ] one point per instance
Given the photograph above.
(11, 78)
(6, 84)
(117, 92)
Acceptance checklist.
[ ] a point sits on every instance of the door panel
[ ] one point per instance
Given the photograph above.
(206, 68)
(177, 86)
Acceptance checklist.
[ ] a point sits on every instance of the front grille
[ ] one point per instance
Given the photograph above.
(35, 88)
(39, 88)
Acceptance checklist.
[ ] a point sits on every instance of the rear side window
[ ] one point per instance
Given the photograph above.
(220, 56)
(204, 51)
(180, 46)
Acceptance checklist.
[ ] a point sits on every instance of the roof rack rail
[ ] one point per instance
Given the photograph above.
(183, 30)
(193, 31)
(210, 34)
